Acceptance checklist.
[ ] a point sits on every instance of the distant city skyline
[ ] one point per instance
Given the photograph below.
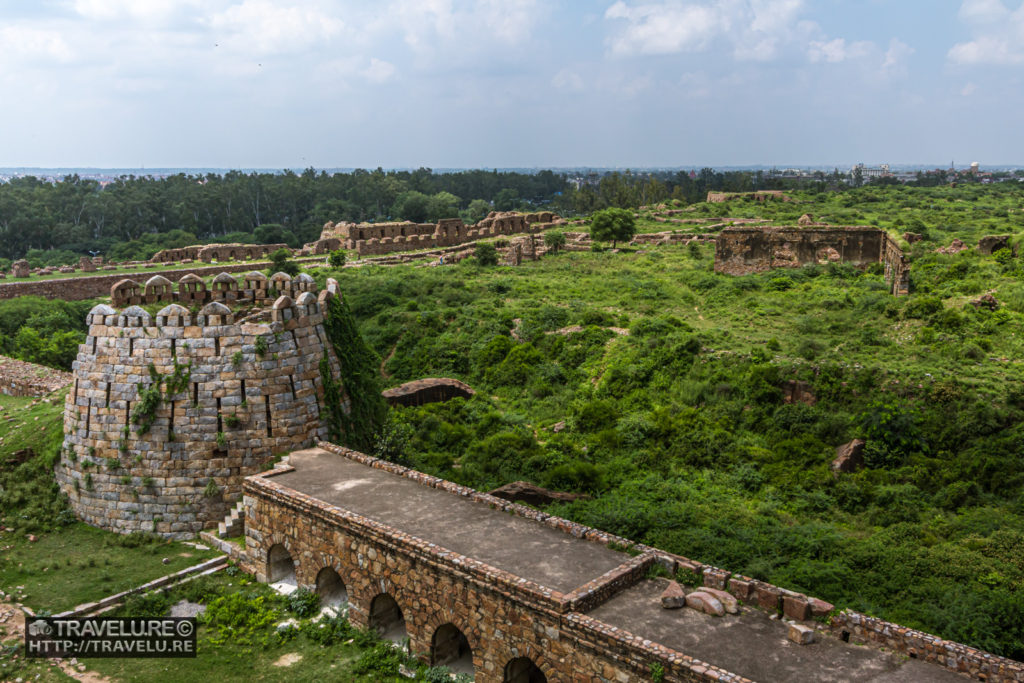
(332, 84)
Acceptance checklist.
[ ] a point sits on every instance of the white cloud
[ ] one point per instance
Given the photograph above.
(378, 71)
(654, 29)
(997, 34)
(267, 27)
(837, 50)
(32, 44)
(567, 80)
(144, 10)
(433, 25)
(896, 57)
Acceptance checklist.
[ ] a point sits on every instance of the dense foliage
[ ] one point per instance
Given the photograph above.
(681, 430)
(43, 331)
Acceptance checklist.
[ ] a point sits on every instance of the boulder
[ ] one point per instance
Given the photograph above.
(992, 243)
(849, 457)
(820, 608)
(674, 596)
(912, 237)
(706, 603)
(20, 268)
(525, 492)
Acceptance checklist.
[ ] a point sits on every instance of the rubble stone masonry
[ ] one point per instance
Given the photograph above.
(251, 390)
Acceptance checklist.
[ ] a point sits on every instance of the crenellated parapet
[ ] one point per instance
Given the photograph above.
(168, 413)
(253, 287)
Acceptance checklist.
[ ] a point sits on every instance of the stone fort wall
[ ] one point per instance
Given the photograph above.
(743, 250)
(18, 378)
(217, 252)
(503, 617)
(251, 389)
(386, 238)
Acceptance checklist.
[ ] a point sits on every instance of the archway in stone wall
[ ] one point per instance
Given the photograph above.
(386, 618)
(281, 568)
(523, 670)
(450, 647)
(331, 588)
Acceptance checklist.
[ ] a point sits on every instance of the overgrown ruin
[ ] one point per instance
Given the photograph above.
(746, 250)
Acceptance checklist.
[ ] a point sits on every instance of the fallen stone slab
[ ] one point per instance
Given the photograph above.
(706, 603)
(673, 597)
(728, 601)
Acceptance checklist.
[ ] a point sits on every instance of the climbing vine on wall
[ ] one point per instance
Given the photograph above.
(150, 398)
(359, 382)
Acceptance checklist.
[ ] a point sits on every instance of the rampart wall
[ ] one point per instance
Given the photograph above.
(248, 389)
(759, 195)
(386, 238)
(503, 617)
(94, 286)
(742, 250)
(217, 252)
(18, 378)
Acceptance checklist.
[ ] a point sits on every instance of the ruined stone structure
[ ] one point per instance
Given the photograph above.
(247, 389)
(385, 238)
(217, 252)
(759, 195)
(514, 595)
(18, 378)
(431, 390)
(20, 268)
(741, 251)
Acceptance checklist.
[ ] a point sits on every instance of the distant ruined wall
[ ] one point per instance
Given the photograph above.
(253, 389)
(18, 378)
(742, 250)
(760, 195)
(370, 239)
(217, 252)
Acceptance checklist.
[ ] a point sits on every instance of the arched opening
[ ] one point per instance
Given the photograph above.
(450, 648)
(331, 588)
(387, 619)
(523, 670)
(281, 569)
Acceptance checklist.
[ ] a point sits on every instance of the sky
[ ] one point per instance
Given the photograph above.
(509, 83)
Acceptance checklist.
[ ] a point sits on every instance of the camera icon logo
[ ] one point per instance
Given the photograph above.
(40, 628)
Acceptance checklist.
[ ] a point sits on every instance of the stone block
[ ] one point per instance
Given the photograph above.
(796, 607)
(673, 597)
(800, 634)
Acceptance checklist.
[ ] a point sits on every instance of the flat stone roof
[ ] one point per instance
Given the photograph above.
(753, 645)
(523, 547)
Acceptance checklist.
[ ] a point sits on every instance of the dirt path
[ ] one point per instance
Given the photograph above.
(12, 620)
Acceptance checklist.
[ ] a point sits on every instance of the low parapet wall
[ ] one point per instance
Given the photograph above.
(18, 378)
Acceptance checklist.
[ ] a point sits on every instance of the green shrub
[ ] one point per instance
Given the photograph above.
(303, 603)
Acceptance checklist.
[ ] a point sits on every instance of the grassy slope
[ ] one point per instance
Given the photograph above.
(699, 455)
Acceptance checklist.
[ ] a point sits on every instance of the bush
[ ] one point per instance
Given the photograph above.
(303, 603)
(336, 259)
(280, 262)
(486, 254)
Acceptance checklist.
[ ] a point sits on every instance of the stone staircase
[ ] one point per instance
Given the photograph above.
(234, 524)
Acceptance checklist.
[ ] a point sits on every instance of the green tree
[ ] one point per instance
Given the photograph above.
(506, 200)
(612, 225)
(554, 240)
(486, 254)
(336, 259)
(280, 262)
(477, 211)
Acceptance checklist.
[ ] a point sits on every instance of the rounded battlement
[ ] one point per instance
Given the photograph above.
(168, 414)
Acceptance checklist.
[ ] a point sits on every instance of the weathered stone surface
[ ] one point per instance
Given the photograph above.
(525, 492)
(798, 391)
(796, 607)
(955, 247)
(912, 237)
(431, 390)
(673, 597)
(727, 599)
(991, 243)
(18, 378)
(800, 634)
(20, 268)
(986, 301)
(705, 602)
(820, 608)
(849, 456)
